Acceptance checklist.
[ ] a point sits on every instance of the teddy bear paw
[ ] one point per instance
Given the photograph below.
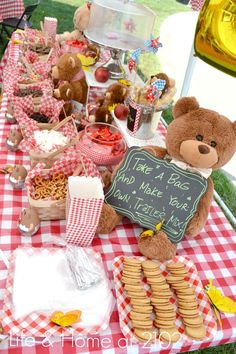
(157, 247)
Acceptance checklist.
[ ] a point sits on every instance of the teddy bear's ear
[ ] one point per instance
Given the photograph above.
(234, 127)
(69, 94)
(185, 105)
(71, 61)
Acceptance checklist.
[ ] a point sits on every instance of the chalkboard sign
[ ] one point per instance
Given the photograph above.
(147, 189)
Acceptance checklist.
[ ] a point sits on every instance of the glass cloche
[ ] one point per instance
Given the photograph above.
(121, 25)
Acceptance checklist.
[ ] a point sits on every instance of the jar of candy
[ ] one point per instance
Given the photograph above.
(103, 143)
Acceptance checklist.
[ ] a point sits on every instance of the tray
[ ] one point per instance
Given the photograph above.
(124, 306)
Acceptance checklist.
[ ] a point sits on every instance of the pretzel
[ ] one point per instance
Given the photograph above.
(58, 176)
(53, 187)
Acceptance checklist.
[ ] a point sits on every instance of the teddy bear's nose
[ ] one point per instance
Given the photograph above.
(203, 149)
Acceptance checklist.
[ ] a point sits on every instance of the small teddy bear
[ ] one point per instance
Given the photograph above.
(29, 222)
(14, 139)
(18, 176)
(71, 76)
(115, 94)
(81, 21)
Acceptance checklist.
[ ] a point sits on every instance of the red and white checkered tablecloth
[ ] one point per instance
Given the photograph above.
(212, 252)
(11, 8)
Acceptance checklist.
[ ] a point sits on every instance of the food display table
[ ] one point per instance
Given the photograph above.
(11, 8)
(212, 252)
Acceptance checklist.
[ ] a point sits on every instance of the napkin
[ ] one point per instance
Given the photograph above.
(43, 282)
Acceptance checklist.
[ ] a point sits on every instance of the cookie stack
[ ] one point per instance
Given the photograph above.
(164, 311)
(141, 304)
(187, 302)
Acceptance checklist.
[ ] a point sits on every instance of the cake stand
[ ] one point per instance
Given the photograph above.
(120, 26)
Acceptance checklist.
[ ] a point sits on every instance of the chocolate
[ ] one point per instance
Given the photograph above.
(39, 117)
(17, 177)
(40, 49)
(29, 91)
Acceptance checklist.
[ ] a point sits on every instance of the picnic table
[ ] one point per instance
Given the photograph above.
(212, 252)
(11, 8)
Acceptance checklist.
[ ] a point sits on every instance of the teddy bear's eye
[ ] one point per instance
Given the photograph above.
(199, 137)
(213, 144)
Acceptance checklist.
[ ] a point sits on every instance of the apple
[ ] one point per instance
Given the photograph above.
(121, 111)
(102, 74)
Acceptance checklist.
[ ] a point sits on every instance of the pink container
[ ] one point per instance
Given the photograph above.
(103, 143)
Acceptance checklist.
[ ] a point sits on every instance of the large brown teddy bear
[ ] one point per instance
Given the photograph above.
(71, 78)
(199, 138)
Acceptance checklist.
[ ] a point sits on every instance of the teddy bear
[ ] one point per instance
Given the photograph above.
(81, 20)
(72, 84)
(115, 93)
(200, 140)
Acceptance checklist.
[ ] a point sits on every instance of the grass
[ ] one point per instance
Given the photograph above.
(64, 10)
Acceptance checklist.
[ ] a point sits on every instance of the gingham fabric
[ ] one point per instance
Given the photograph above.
(196, 5)
(124, 306)
(37, 325)
(212, 252)
(83, 220)
(11, 8)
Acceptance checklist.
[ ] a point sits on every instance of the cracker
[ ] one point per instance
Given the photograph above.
(130, 281)
(140, 301)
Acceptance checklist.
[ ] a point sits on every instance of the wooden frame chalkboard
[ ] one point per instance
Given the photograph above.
(147, 189)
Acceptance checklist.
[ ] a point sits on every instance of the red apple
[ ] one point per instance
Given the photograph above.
(102, 74)
(121, 111)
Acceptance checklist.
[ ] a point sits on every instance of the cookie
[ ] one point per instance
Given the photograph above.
(144, 335)
(186, 313)
(130, 281)
(193, 322)
(159, 301)
(197, 333)
(186, 298)
(140, 301)
(156, 280)
(131, 275)
(164, 324)
(175, 265)
(169, 334)
(161, 287)
(180, 285)
(165, 307)
(134, 287)
(188, 305)
(138, 316)
(163, 293)
(148, 265)
(186, 291)
(142, 323)
(135, 295)
(171, 279)
(142, 309)
(132, 262)
(179, 272)
(166, 315)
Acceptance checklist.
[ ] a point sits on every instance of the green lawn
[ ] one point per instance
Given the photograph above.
(63, 10)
